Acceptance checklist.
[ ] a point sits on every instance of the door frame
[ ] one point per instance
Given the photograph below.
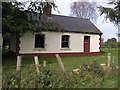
(87, 44)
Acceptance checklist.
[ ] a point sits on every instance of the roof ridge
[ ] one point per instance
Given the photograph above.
(69, 16)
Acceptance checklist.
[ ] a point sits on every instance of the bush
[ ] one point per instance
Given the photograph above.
(91, 76)
(11, 80)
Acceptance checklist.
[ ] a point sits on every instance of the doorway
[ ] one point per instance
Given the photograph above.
(87, 44)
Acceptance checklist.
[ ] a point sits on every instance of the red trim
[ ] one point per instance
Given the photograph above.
(61, 54)
(100, 44)
(95, 53)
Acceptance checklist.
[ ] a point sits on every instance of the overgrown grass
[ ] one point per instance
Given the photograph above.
(87, 80)
(91, 76)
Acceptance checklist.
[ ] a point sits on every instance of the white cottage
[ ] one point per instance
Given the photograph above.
(72, 37)
(80, 37)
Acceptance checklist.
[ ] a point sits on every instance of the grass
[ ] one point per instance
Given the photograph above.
(70, 63)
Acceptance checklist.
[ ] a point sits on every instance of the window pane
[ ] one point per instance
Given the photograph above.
(65, 38)
(39, 41)
(65, 45)
(65, 41)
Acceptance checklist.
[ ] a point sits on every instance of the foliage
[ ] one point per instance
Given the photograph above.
(11, 80)
(84, 9)
(15, 19)
(39, 9)
(110, 43)
(38, 5)
(113, 14)
(91, 76)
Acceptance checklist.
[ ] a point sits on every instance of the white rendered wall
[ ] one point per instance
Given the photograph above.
(94, 43)
(53, 43)
(26, 43)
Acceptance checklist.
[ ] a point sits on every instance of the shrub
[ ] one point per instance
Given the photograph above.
(90, 76)
(11, 80)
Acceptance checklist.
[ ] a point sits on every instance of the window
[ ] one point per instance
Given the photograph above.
(65, 41)
(39, 41)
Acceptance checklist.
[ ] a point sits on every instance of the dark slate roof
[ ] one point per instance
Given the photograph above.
(70, 24)
(75, 24)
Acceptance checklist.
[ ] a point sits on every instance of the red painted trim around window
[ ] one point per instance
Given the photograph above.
(61, 54)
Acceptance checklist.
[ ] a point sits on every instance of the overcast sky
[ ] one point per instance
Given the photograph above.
(108, 29)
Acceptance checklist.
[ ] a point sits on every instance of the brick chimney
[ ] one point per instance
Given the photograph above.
(47, 10)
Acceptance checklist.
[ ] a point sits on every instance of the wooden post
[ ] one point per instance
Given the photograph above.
(109, 57)
(60, 62)
(37, 64)
(113, 61)
(19, 60)
(44, 63)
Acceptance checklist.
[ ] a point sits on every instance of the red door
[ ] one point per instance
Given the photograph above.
(87, 44)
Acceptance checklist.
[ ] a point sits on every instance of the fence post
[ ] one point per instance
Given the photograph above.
(37, 64)
(109, 58)
(60, 62)
(44, 63)
(113, 60)
(19, 60)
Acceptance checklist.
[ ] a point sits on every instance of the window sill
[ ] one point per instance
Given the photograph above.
(65, 49)
(39, 49)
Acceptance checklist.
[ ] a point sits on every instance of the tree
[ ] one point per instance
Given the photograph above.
(15, 17)
(84, 9)
(38, 5)
(15, 20)
(113, 14)
(112, 40)
(111, 43)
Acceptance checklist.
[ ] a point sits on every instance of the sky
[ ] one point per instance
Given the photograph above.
(107, 28)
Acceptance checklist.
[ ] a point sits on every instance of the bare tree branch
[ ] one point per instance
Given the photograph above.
(84, 9)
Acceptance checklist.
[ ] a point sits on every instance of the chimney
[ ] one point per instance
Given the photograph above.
(47, 10)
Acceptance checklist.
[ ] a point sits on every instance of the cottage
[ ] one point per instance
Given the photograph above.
(78, 37)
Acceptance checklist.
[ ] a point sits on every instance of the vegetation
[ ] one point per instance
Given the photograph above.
(110, 43)
(84, 9)
(12, 26)
(91, 74)
(12, 10)
(70, 63)
(113, 14)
